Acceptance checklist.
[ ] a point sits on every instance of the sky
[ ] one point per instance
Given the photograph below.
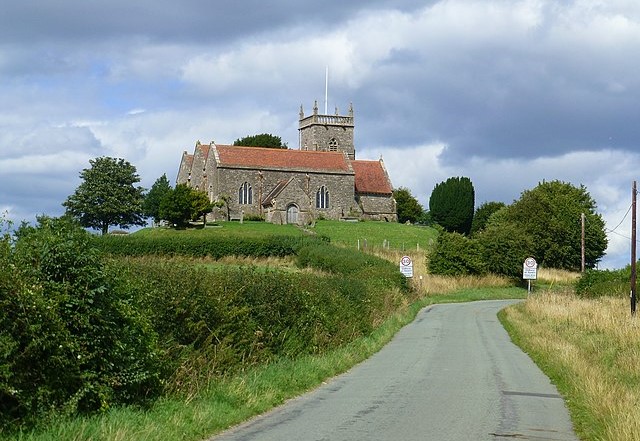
(506, 92)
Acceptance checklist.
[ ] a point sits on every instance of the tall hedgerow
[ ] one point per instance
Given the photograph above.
(70, 343)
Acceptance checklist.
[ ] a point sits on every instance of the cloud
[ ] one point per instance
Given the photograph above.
(505, 92)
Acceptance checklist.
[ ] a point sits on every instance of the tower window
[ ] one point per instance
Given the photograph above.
(245, 194)
(333, 145)
(322, 197)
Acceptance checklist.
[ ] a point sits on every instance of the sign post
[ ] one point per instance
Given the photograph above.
(406, 266)
(529, 272)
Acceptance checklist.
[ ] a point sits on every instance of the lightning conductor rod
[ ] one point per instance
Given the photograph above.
(326, 90)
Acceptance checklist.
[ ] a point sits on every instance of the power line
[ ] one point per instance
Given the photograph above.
(620, 223)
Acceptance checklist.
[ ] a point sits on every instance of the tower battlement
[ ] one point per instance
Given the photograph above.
(327, 133)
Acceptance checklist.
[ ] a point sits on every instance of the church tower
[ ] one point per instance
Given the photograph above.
(327, 133)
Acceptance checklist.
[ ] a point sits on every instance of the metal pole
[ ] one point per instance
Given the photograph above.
(633, 250)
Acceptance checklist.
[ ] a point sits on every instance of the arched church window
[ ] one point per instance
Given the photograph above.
(245, 194)
(322, 197)
(333, 145)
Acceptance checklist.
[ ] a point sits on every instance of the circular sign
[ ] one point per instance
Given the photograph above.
(406, 261)
(530, 262)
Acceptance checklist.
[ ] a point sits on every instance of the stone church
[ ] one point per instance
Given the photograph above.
(322, 179)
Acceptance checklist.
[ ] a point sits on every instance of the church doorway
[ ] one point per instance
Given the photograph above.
(292, 214)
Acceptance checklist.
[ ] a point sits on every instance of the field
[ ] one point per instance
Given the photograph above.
(377, 235)
(591, 351)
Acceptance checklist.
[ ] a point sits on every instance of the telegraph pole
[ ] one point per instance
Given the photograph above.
(582, 241)
(633, 250)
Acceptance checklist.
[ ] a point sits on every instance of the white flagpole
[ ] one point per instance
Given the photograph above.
(326, 90)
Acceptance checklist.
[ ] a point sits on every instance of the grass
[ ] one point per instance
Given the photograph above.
(374, 235)
(591, 351)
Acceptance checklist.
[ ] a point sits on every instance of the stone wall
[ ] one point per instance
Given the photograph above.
(378, 207)
(184, 172)
(327, 133)
(300, 191)
(199, 173)
(318, 138)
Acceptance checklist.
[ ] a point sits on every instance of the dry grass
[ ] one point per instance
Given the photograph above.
(591, 348)
(429, 284)
(553, 275)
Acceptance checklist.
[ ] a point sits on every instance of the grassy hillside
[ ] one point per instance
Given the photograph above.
(396, 236)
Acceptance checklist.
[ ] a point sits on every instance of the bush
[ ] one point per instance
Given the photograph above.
(455, 255)
(597, 283)
(234, 317)
(193, 246)
(69, 340)
(351, 263)
(504, 248)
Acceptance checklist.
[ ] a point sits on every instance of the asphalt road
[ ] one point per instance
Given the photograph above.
(451, 375)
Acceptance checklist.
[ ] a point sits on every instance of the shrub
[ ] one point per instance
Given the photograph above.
(598, 283)
(193, 246)
(234, 317)
(454, 255)
(350, 263)
(253, 218)
(504, 248)
(69, 340)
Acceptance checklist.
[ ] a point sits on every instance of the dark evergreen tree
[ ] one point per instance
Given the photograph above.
(151, 205)
(261, 140)
(407, 206)
(451, 204)
(107, 196)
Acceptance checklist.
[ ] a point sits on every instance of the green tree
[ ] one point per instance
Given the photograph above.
(200, 205)
(550, 214)
(261, 140)
(152, 200)
(184, 204)
(451, 204)
(407, 206)
(504, 246)
(107, 196)
(223, 202)
(482, 215)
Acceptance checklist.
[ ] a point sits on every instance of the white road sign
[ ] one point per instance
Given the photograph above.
(530, 269)
(406, 266)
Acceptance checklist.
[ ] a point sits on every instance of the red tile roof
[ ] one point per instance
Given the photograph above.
(371, 177)
(256, 157)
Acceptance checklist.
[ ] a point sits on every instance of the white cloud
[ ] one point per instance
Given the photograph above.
(66, 161)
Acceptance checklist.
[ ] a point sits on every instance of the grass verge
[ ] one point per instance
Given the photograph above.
(236, 398)
(591, 351)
